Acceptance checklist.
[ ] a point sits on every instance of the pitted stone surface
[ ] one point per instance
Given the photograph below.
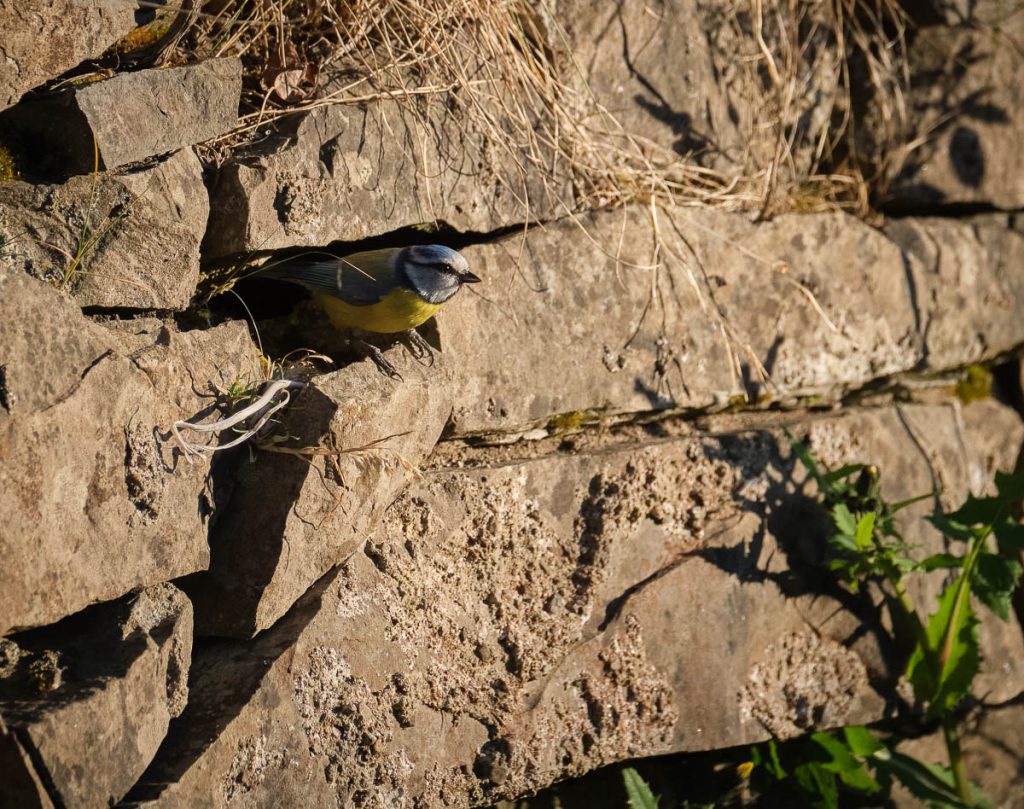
(515, 622)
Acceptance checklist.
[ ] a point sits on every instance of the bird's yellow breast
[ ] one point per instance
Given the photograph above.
(400, 310)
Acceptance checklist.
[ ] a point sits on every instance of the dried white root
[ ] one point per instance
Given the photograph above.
(264, 407)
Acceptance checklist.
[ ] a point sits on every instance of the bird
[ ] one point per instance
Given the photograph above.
(386, 291)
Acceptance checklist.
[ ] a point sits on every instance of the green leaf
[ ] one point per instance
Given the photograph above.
(902, 504)
(865, 530)
(638, 793)
(841, 761)
(843, 472)
(940, 560)
(930, 783)
(1010, 536)
(1010, 487)
(941, 675)
(995, 580)
(773, 759)
(861, 741)
(807, 460)
(845, 522)
(818, 783)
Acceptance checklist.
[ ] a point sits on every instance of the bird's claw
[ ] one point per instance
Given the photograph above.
(418, 347)
(378, 358)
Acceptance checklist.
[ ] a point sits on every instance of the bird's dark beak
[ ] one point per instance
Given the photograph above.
(469, 278)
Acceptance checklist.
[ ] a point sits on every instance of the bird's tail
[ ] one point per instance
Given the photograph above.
(314, 269)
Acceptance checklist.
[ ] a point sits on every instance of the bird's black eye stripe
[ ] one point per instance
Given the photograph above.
(434, 265)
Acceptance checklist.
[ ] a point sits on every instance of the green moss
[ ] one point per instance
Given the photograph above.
(145, 36)
(569, 422)
(975, 385)
(8, 169)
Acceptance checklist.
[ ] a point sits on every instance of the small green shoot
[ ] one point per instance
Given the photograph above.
(638, 793)
(864, 545)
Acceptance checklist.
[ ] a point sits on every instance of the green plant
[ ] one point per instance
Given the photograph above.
(865, 544)
(638, 793)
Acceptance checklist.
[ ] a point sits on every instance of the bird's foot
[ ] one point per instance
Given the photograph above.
(418, 347)
(377, 356)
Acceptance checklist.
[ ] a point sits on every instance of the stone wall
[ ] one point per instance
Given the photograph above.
(573, 535)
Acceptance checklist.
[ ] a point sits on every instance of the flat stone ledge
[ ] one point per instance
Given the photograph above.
(128, 118)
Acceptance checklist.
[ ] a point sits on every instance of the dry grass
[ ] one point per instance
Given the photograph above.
(506, 69)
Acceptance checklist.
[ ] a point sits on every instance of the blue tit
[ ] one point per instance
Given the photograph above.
(384, 291)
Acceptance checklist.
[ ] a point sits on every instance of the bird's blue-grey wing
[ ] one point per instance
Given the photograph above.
(360, 280)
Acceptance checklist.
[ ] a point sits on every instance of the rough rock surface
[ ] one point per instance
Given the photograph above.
(347, 169)
(43, 38)
(579, 329)
(655, 73)
(966, 94)
(112, 240)
(574, 533)
(90, 478)
(92, 696)
(128, 118)
(579, 591)
(266, 552)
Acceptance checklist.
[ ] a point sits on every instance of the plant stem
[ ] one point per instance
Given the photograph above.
(956, 760)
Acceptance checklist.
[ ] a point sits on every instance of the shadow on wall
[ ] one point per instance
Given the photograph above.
(799, 527)
(951, 108)
(223, 678)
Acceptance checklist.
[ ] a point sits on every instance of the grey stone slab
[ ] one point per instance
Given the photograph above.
(96, 498)
(127, 241)
(92, 729)
(128, 117)
(42, 39)
(350, 172)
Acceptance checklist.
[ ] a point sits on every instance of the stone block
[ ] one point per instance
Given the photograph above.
(91, 698)
(43, 39)
(96, 497)
(122, 241)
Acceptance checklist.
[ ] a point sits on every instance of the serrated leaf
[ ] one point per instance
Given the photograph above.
(843, 472)
(638, 793)
(844, 520)
(953, 640)
(904, 563)
(865, 530)
(1010, 487)
(842, 761)
(952, 631)
(861, 741)
(995, 580)
(1009, 536)
(940, 561)
(843, 542)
